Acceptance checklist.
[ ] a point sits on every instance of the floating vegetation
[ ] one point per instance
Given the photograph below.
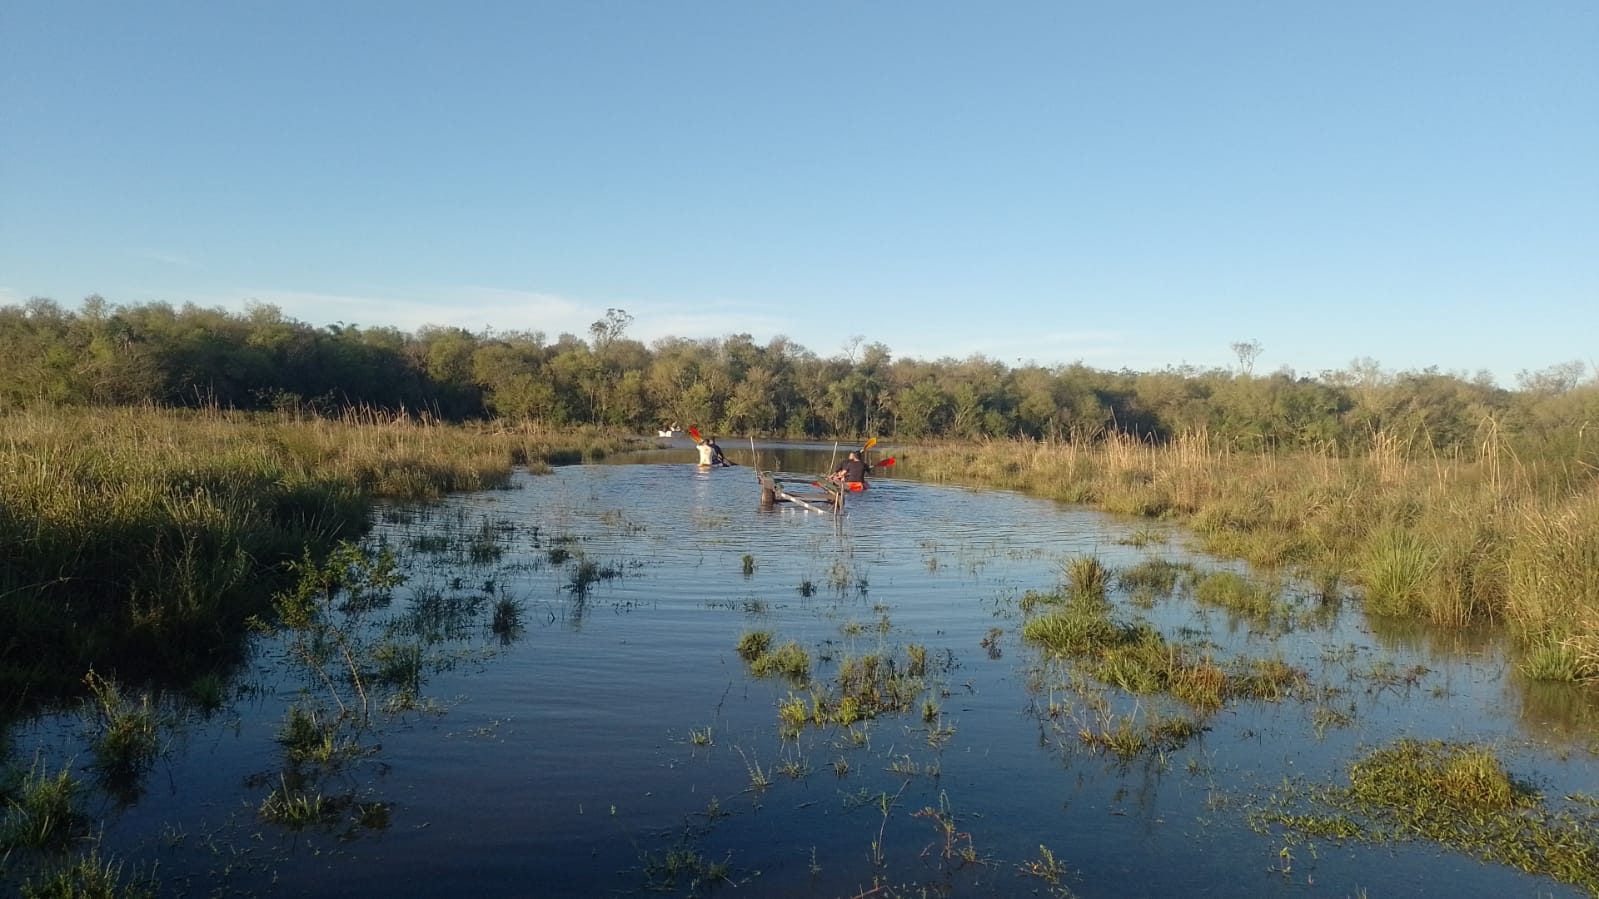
(790, 660)
(42, 811)
(125, 731)
(507, 620)
(1154, 577)
(1236, 593)
(587, 573)
(1145, 536)
(749, 565)
(1137, 659)
(1125, 737)
(1087, 577)
(92, 877)
(1457, 795)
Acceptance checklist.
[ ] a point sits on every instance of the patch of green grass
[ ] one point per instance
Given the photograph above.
(42, 812)
(1236, 593)
(790, 660)
(297, 809)
(1549, 659)
(1087, 577)
(126, 735)
(1456, 795)
(1156, 577)
(1143, 537)
(754, 644)
(91, 877)
(1397, 565)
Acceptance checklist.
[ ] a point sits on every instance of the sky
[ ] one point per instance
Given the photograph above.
(1123, 184)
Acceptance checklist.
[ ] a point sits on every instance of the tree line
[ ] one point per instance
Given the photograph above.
(259, 359)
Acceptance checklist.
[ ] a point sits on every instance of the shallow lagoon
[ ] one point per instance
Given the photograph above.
(616, 742)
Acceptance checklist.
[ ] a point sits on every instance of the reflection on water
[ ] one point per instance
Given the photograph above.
(611, 739)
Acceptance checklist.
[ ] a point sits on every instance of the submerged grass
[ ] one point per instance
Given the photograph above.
(142, 539)
(42, 811)
(1489, 537)
(1137, 659)
(91, 877)
(1457, 795)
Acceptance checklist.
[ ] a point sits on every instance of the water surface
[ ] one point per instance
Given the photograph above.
(571, 759)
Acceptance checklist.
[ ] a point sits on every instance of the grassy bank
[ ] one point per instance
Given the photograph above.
(138, 540)
(1494, 539)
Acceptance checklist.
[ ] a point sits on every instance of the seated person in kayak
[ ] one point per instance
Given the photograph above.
(711, 454)
(852, 472)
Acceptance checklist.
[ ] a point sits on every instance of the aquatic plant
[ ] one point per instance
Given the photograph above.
(1087, 577)
(125, 731)
(754, 644)
(790, 660)
(507, 619)
(91, 877)
(1236, 593)
(1456, 795)
(1483, 537)
(295, 808)
(1395, 571)
(953, 844)
(323, 618)
(43, 811)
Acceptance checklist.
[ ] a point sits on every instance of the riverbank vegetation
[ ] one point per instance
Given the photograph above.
(138, 541)
(1440, 496)
(1496, 538)
(105, 354)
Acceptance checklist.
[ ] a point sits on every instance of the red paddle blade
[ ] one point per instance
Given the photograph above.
(695, 433)
(883, 463)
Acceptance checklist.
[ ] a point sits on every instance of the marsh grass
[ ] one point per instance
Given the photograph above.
(1240, 595)
(1139, 660)
(42, 811)
(125, 734)
(1087, 577)
(506, 622)
(587, 572)
(1456, 795)
(91, 877)
(141, 540)
(296, 808)
(788, 660)
(684, 868)
(1480, 537)
(1126, 737)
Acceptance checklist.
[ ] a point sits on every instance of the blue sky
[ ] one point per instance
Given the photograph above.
(1134, 185)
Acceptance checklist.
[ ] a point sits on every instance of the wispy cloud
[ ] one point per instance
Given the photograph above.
(177, 259)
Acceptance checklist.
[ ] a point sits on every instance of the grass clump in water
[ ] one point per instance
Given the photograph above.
(91, 877)
(754, 644)
(41, 811)
(790, 659)
(127, 736)
(1460, 796)
(1236, 593)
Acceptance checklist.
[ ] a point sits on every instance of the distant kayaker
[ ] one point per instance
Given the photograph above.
(711, 454)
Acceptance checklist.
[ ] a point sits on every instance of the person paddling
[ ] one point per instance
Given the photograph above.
(852, 473)
(711, 454)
